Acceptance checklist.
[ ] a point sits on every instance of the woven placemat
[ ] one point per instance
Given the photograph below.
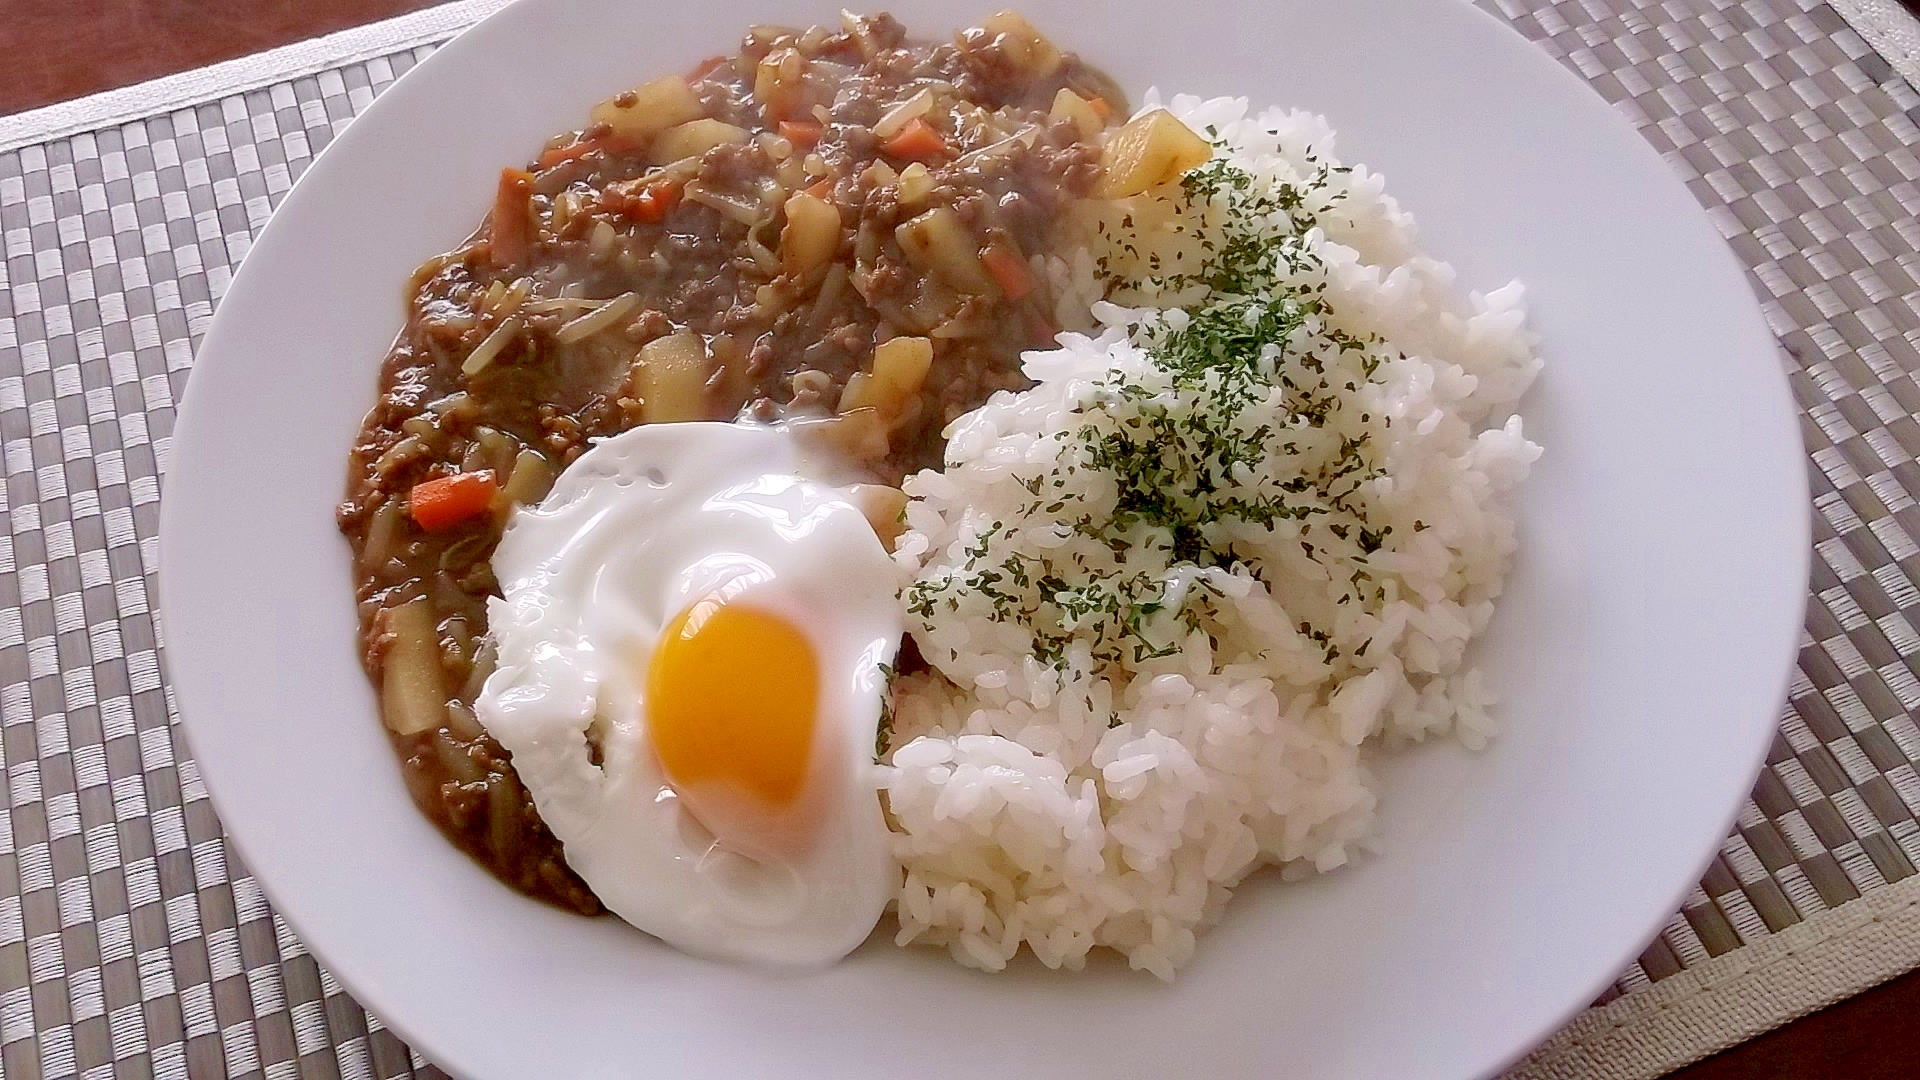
(133, 943)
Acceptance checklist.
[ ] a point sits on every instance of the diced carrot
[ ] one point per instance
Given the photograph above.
(512, 226)
(580, 148)
(560, 155)
(802, 134)
(649, 202)
(1012, 275)
(442, 504)
(654, 202)
(705, 68)
(821, 189)
(916, 142)
(1100, 107)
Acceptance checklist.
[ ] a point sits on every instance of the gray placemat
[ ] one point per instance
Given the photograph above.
(132, 943)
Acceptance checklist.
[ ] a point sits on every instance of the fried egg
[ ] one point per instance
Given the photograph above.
(692, 647)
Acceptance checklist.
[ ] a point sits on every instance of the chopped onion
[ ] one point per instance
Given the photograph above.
(515, 295)
(602, 241)
(900, 115)
(916, 183)
(829, 295)
(485, 352)
(1025, 138)
(399, 454)
(551, 304)
(763, 256)
(460, 718)
(746, 213)
(600, 318)
(382, 535)
(457, 402)
(961, 328)
(456, 321)
(776, 148)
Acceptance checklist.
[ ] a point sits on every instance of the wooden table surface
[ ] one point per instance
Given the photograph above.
(59, 49)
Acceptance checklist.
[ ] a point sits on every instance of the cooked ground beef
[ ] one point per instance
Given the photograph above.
(732, 244)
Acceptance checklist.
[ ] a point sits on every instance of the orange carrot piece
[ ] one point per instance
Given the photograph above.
(649, 203)
(512, 226)
(802, 134)
(560, 155)
(1013, 276)
(916, 142)
(442, 504)
(579, 148)
(821, 189)
(654, 202)
(1100, 107)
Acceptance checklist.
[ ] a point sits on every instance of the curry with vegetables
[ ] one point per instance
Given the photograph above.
(835, 228)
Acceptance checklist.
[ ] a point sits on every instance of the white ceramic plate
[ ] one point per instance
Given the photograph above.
(1641, 651)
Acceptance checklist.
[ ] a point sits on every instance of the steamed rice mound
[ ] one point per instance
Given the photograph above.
(1133, 700)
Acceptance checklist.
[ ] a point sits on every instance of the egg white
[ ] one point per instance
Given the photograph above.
(637, 529)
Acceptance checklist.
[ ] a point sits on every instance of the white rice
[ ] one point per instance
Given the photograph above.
(1077, 804)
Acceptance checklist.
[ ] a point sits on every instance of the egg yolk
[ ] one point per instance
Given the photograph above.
(731, 695)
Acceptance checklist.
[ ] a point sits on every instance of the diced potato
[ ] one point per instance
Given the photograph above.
(861, 392)
(413, 694)
(859, 434)
(776, 80)
(1068, 105)
(528, 483)
(900, 367)
(810, 236)
(938, 242)
(497, 450)
(673, 378)
(655, 107)
(860, 29)
(1022, 44)
(916, 183)
(694, 138)
(883, 507)
(1152, 149)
